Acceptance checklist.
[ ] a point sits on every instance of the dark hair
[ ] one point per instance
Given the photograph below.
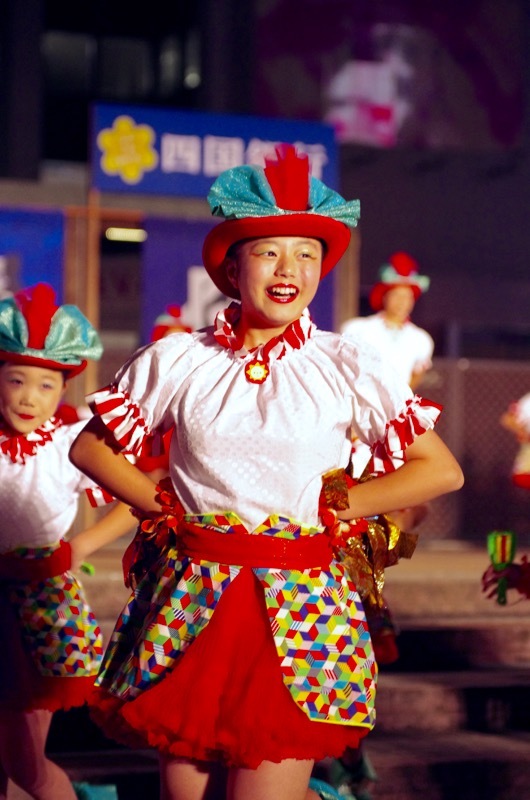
(234, 247)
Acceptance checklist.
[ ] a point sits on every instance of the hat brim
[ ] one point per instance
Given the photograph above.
(69, 370)
(334, 235)
(378, 292)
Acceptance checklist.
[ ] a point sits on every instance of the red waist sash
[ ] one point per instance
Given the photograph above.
(18, 568)
(253, 550)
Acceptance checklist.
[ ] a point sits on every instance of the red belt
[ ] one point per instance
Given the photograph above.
(253, 550)
(18, 568)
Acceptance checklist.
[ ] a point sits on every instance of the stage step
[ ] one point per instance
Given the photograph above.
(438, 702)
(450, 766)
(459, 765)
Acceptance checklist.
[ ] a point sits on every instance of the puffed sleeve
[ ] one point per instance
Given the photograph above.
(387, 416)
(423, 359)
(136, 403)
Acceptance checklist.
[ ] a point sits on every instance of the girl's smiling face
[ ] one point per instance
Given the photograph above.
(29, 395)
(277, 278)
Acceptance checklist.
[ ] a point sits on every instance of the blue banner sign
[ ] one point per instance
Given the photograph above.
(31, 250)
(166, 152)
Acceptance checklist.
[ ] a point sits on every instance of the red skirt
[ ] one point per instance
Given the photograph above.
(22, 687)
(225, 699)
(50, 641)
(521, 479)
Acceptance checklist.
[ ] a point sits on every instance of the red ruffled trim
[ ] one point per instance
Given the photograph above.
(121, 417)
(419, 415)
(50, 694)
(293, 338)
(18, 445)
(225, 699)
(53, 694)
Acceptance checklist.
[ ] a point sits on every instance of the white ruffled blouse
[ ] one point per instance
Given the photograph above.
(408, 348)
(39, 486)
(258, 448)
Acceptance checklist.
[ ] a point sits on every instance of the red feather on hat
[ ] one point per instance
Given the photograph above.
(288, 178)
(37, 304)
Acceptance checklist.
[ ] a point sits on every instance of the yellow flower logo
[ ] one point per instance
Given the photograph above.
(127, 149)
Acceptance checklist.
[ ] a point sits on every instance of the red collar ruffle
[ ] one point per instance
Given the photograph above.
(18, 445)
(257, 369)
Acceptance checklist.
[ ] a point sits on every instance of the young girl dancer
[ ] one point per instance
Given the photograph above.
(245, 644)
(516, 419)
(51, 642)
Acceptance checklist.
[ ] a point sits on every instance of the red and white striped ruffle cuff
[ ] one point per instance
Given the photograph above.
(419, 415)
(98, 497)
(121, 417)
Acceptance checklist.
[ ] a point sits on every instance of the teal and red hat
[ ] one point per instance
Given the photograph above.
(280, 199)
(401, 270)
(34, 331)
(169, 322)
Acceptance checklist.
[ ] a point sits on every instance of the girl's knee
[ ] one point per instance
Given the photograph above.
(28, 777)
(42, 780)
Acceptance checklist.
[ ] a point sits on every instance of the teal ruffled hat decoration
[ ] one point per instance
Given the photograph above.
(245, 192)
(280, 199)
(36, 332)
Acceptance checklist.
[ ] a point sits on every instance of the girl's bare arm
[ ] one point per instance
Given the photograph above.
(117, 522)
(96, 454)
(429, 471)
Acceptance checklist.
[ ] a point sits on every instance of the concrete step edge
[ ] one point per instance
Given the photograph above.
(458, 679)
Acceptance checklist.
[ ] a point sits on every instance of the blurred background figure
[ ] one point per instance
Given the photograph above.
(517, 420)
(390, 329)
(169, 322)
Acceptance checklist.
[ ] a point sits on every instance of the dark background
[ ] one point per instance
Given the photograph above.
(453, 191)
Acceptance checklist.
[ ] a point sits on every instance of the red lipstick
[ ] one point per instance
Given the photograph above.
(283, 292)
